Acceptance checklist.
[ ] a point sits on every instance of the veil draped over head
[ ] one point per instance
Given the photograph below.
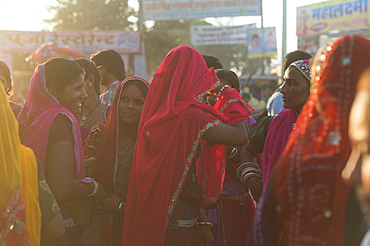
(106, 153)
(36, 118)
(20, 222)
(172, 124)
(306, 192)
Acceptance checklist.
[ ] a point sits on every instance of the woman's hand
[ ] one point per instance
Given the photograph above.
(108, 204)
(100, 192)
(205, 235)
(255, 185)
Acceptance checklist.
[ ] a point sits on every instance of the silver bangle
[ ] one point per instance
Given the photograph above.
(96, 187)
(234, 151)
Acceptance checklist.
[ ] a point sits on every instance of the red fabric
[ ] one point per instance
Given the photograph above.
(310, 195)
(238, 111)
(171, 127)
(230, 105)
(106, 154)
(36, 118)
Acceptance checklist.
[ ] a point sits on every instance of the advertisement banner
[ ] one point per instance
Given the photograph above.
(309, 44)
(198, 9)
(332, 15)
(211, 35)
(261, 42)
(84, 41)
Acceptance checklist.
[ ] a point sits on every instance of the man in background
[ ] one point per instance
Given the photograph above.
(112, 71)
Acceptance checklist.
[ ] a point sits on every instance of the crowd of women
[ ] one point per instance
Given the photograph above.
(180, 160)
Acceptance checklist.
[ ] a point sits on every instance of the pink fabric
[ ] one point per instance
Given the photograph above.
(277, 137)
(36, 118)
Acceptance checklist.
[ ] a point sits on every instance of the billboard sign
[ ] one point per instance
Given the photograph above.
(84, 41)
(261, 42)
(332, 15)
(198, 9)
(211, 35)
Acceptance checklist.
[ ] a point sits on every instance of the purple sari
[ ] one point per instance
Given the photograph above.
(277, 137)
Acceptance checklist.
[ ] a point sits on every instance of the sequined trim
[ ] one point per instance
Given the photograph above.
(250, 110)
(201, 95)
(69, 223)
(44, 186)
(187, 167)
(55, 206)
(90, 144)
(10, 218)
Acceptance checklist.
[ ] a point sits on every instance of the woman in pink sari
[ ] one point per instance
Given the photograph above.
(270, 134)
(49, 128)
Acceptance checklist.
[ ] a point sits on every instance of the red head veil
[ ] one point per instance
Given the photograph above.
(106, 154)
(171, 127)
(310, 195)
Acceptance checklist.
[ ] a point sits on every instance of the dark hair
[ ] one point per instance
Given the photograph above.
(90, 69)
(212, 62)
(139, 84)
(112, 61)
(230, 76)
(5, 71)
(295, 56)
(246, 95)
(60, 72)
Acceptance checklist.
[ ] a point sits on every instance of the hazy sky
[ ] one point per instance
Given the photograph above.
(28, 15)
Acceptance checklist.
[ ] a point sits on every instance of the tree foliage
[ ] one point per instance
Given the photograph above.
(91, 15)
(159, 38)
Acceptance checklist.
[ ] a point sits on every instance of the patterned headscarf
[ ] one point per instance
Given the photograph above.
(305, 201)
(304, 67)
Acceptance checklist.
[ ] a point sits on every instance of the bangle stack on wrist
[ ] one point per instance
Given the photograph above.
(248, 170)
(96, 187)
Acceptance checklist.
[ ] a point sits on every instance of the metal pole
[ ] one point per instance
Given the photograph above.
(262, 58)
(141, 28)
(284, 39)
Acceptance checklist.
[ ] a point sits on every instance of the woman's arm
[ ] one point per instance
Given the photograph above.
(253, 183)
(235, 135)
(60, 174)
(52, 230)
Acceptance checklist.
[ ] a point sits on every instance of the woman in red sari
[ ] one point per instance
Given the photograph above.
(305, 201)
(110, 147)
(163, 199)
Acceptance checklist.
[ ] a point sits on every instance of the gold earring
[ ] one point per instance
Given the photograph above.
(90, 84)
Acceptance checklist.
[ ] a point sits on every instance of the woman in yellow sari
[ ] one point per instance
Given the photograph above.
(20, 186)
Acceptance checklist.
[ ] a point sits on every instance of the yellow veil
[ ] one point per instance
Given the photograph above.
(20, 215)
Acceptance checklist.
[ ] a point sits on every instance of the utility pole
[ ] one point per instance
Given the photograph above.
(262, 58)
(141, 29)
(284, 41)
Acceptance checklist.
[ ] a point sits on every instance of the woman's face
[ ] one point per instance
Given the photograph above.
(131, 105)
(73, 95)
(89, 86)
(357, 170)
(295, 90)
